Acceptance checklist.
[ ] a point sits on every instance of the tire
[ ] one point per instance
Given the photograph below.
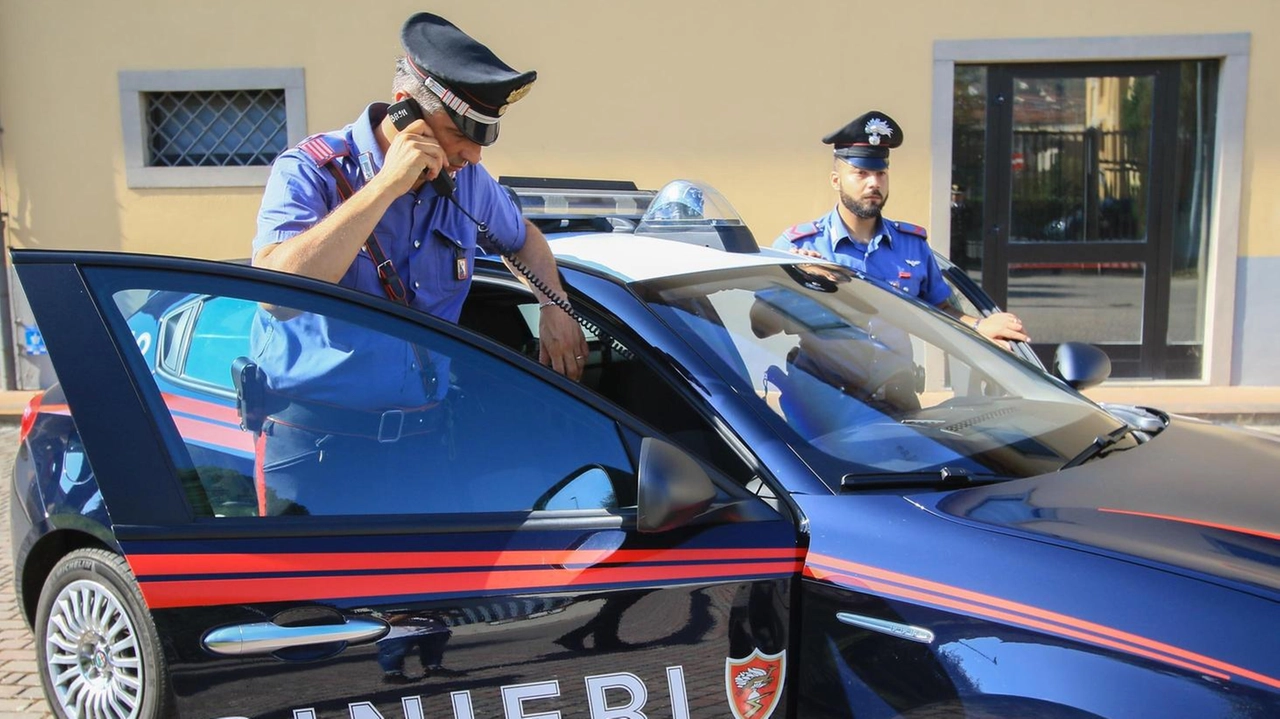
(96, 645)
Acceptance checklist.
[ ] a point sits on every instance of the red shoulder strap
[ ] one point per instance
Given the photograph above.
(911, 229)
(796, 233)
(321, 149)
(391, 282)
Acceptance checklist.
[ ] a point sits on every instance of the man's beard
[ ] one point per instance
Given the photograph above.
(865, 209)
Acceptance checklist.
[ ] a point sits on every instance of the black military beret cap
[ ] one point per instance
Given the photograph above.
(866, 141)
(475, 86)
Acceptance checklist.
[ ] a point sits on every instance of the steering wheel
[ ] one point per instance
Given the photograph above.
(898, 387)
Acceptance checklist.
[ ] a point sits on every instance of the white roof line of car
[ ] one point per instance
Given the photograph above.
(636, 258)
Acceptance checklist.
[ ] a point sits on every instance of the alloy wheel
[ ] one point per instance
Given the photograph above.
(92, 654)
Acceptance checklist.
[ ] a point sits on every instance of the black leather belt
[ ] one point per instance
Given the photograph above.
(385, 426)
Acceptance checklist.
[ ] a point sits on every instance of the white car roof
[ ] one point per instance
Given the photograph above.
(635, 258)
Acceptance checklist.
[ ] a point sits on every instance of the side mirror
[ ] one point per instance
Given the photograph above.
(673, 487)
(1081, 365)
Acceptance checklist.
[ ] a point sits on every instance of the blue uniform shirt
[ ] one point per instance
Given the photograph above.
(421, 233)
(899, 253)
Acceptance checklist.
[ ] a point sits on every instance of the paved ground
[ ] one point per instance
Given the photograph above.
(20, 694)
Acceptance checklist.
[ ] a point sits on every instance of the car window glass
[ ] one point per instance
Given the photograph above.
(378, 416)
(840, 365)
(959, 300)
(217, 338)
(591, 489)
(171, 332)
(510, 317)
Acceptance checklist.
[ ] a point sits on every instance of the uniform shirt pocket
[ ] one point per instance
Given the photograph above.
(450, 244)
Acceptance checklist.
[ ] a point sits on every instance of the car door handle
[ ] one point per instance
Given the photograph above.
(268, 637)
(893, 629)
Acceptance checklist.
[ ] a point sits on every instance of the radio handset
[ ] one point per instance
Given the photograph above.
(403, 114)
(443, 185)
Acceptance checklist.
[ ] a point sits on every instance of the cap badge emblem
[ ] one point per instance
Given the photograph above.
(519, 92)
(875, 128)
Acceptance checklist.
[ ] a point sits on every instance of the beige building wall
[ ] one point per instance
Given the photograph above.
(736, 93)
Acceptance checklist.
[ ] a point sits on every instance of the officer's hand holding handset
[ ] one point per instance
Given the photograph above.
(414, 151)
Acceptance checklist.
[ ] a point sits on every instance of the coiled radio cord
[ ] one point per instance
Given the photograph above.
(542, 287)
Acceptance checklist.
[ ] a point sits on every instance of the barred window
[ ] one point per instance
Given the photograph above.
(208, 128)
(215, 129)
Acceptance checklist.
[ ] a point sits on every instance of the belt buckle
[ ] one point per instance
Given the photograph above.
(385, 433)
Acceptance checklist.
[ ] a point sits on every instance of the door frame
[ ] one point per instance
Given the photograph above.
(1232, 49)
(1146, 358)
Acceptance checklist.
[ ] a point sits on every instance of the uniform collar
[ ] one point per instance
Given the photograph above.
(363, 138)
(838, 231)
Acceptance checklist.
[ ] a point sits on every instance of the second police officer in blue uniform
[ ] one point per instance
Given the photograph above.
(856, 234)
(358, 207)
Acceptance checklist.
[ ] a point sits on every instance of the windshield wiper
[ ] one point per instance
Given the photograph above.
(1101, 442)
(945, 478)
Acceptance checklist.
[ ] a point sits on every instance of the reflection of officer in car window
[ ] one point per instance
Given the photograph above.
(346, 401)
(839, 373)
(856, 235)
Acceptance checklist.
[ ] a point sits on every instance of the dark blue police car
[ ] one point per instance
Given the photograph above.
(780, 489)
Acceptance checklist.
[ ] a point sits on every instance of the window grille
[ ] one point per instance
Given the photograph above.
(209, 128)
(233, 128)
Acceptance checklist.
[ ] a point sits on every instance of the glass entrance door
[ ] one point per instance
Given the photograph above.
(1087, 206)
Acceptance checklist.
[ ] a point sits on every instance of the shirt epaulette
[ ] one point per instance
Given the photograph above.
(797, 233)
(323, 148)
(911, 229)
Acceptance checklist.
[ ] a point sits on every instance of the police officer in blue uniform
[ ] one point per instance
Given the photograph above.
(358, 207)
(856, 234)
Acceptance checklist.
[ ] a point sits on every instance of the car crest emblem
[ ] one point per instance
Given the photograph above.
(754, 683)
(875, 128)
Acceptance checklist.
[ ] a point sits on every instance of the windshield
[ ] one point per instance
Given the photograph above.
(837, 364)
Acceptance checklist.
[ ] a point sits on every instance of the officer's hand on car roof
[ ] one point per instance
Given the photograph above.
(1002, 328)
(413, 152)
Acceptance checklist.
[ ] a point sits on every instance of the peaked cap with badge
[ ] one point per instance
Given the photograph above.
(865, 142)
(474, 85)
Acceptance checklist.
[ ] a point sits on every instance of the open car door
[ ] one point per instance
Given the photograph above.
(547, 556)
